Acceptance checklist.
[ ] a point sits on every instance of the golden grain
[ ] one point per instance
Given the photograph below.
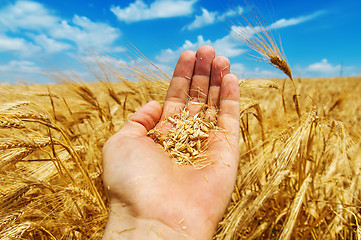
(187, 141)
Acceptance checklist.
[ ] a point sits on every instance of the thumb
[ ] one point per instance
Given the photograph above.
(142, 120)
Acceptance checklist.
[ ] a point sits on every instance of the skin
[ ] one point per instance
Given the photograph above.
(151, 197)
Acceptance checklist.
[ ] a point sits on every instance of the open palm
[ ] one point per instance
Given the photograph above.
(145, 185)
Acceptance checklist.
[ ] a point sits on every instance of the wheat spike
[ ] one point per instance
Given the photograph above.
(11, 123)
(30, 143)
(260, 39)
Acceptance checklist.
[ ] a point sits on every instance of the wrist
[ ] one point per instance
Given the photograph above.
(123, 225)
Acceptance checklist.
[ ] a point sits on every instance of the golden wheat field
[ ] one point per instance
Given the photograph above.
(299, 174)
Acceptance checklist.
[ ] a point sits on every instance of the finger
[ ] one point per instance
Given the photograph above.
(228, 118)
(142, 120)
(225, 143)
(200, 82)
(177, 94)
(220, 68)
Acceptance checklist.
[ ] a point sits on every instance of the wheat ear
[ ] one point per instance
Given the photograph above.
(260, 39)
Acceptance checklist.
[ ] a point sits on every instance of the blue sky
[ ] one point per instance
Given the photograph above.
(319, 38)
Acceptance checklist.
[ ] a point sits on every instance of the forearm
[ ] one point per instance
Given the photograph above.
(122, 225)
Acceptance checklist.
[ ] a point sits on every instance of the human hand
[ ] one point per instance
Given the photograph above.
(150, 196)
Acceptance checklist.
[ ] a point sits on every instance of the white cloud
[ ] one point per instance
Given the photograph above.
(208, 18)
(230, 13)
(226, 46)
(241, 71)
(324, 68)
(29, 29)
(21, 71)
(171, 56)
(294, 21)
(18, 45)
(248, 32)
(50, 45)
(20, 67)
(26, 15)
(244, 32)
(95, 60)
(86, 34)
(139, 11)
(42, 29)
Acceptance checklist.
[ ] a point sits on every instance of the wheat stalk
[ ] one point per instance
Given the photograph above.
(260, 39)
(295, 209)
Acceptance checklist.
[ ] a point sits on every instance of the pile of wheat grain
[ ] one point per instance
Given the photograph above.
(188, 139)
